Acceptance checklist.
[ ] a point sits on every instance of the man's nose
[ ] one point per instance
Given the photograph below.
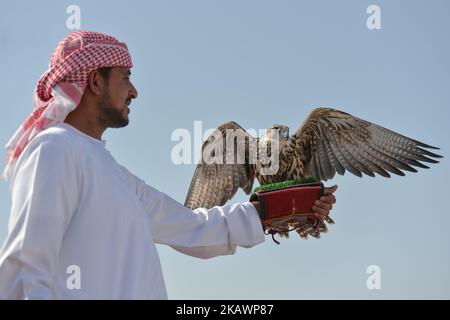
(133, 92)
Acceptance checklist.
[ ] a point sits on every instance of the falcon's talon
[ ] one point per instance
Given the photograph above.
(315, 234)
(329, 220)
(274, 240)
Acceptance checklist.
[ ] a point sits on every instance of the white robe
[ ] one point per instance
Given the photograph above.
(83, 227)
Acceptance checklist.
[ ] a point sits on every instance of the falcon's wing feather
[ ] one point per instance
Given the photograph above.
(214, 183)
(331, 141)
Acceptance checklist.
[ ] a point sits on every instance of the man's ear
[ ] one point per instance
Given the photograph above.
(96, 83)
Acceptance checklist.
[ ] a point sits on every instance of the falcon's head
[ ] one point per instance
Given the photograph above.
(283, 132)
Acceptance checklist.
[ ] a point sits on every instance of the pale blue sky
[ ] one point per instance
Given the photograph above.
(259, 63)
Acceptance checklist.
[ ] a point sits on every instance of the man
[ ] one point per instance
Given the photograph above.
(75, 208)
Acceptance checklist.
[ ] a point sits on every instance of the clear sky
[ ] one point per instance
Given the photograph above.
(259, 63)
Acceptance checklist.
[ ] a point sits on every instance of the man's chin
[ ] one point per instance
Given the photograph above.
(120, 124)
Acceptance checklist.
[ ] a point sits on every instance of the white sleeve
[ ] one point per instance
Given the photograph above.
(44, 198)
(202, 233)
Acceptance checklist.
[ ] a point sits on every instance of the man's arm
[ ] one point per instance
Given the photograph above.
(207, 233)
(203, 233)
(43, 201)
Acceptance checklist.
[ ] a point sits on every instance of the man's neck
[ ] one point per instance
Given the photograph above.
(91, 129)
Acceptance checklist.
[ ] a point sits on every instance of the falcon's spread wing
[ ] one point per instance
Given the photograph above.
(331, 141)
(214, 183)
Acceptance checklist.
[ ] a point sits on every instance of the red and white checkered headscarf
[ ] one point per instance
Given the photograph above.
(60, 88)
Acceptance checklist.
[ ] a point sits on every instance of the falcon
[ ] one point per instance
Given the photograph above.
(328, 142)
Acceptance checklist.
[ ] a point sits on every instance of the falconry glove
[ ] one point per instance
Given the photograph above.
(287, 208)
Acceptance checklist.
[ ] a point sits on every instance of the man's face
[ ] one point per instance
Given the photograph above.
(114, 104)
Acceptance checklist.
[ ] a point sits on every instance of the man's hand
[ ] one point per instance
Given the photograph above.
(323, 206)
(256, 205)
